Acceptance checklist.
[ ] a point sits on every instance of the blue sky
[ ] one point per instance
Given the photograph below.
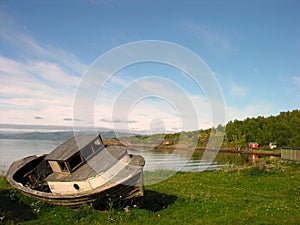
(252, 47)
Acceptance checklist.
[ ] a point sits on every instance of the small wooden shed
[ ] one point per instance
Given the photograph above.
(290, 154)
(253, 145)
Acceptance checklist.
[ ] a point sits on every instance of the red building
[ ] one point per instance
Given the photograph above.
(253, 145)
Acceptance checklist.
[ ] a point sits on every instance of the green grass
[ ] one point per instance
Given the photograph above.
(263, 193)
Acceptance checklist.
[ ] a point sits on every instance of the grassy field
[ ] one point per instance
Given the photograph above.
(263, 193)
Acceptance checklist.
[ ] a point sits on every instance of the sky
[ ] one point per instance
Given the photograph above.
(252, 49)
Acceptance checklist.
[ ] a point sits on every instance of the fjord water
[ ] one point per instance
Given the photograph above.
(175, 162)
(15, 149)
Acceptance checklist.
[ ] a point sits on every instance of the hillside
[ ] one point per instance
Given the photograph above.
(64, 135)
(283, 129)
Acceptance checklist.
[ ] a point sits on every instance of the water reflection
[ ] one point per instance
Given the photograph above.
(14, 149)
(175, 162)
(179, 162)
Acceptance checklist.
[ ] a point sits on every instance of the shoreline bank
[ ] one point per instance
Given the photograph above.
(169, 149)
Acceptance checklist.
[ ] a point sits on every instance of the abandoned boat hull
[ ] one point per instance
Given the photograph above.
(128, 189)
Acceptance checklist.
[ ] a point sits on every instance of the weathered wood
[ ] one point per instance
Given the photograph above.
(106, 176)
(70, 147)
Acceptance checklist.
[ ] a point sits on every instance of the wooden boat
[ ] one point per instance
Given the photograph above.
(81, 170)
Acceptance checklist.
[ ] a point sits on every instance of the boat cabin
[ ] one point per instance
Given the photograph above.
(69, 156)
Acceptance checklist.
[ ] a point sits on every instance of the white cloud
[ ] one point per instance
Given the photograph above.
(110, 120)
(254, 110)
(210, 36)
(43, 86)
(238, 90)
(296, 80)
(39, 82)
(53, 73)
(148, 99)
(111, 3)
(35, 87)
(31, 48)
(27, 91)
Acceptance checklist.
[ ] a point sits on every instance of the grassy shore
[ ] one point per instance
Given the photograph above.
(260, 193)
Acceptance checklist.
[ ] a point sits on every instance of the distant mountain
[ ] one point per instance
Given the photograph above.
(113, 134)
(61, 135)
(44, 128)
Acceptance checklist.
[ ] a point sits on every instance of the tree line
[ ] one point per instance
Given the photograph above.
(283, 129)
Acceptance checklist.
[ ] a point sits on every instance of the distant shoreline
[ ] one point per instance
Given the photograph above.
(228, 150)
(244, 151)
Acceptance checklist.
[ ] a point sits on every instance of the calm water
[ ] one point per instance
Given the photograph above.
(175, 162)
(14, 149)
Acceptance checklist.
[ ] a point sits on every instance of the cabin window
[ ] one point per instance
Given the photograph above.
(87, 151)
(75, 161)
(63, 166)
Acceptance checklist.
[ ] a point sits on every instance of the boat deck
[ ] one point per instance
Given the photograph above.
(99, 163)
